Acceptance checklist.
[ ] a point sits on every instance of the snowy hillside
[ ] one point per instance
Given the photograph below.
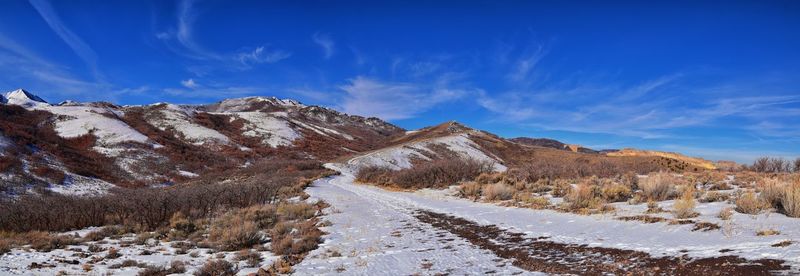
(164, 143)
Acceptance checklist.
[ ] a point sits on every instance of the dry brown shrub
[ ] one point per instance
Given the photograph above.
(441, 173)
(767, 232)
(749, 203)
(684, 206)
(725, 214)
(714, 196)
(471, 190)
(771, 190)
(791, 200)
(631, 180)
(232, 232)
(292, 211)
(561, 187)
(584, 196)
(498, 191)
(542, 185)
(253, 259)
(616, 192)
(217, 268)
(490, 177)
(658, 186)
(527, 199)
(375, 175)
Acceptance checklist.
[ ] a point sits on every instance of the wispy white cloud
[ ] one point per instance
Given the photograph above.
(189, 84)
(393, 101)
(326, 43)
(259, 55)
(188, 46)
(523, 66)
(81, 48)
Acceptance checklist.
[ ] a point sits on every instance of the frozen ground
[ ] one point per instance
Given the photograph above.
(79, 260)
(375, 231)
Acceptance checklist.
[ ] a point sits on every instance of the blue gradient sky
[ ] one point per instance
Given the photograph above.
(717, 79)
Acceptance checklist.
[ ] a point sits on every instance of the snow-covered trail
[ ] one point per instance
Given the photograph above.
(377, 232)
(374, 233)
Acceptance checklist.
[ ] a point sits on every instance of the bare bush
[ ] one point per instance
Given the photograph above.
(292, 211)
(791, 200)
(771, 165)
(749, 203)
(470, 190)
(772, 191)
(217, 268)
(498, 191)
(233, 232)
(375, 174)
(584, 195)
(441, 173)
(658, 186)
(725, 214)
(151, 208)
(684, 206)
(614, 192)
(527, 199)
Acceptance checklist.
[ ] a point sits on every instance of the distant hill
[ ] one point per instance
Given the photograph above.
(550, 143)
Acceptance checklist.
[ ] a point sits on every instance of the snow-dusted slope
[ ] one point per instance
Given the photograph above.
(75, 121)
(154, 144)
(180, 119)
(400, 156)
(274, 130)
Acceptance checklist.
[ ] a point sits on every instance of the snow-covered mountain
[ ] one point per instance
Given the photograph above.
(22, 98)
(88, 147)
(46, 145)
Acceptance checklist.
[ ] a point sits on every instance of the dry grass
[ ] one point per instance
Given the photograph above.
(498, 191)
(725, 214)
(767, 232)
(252, 258)
(791, 200)
(295, 211)
(771, 191)
(684, 206)
(615, 192)
(471, 190)
(233, 232)
(658, 186)
(714, 196)
(749, 203)
(584, 195)
(528, 200)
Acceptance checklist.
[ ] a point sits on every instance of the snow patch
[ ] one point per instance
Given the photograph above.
(74, 121)
(273, 131)
(399, 157)
(180, 119)
(81, 186)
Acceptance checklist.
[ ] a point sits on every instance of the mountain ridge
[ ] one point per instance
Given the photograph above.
(141, 145)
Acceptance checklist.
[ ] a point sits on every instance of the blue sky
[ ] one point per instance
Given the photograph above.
(717, 79)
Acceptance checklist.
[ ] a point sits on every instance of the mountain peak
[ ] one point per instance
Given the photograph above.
(23, 98)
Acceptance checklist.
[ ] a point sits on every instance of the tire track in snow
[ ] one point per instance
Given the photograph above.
(378, 234)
